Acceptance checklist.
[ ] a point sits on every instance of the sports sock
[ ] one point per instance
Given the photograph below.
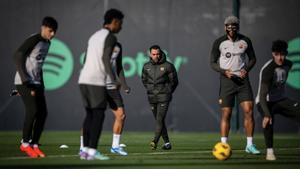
(81, 142)
(116, 140)
(249, 141)
(270, 151)
(224, 139)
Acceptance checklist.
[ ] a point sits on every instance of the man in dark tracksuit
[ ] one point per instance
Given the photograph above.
(29, 59)
(271, 98)
(160, 79)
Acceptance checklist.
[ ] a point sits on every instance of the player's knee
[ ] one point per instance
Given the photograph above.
(248, 113)
(120, 116)
(226, 116)
(123, 116)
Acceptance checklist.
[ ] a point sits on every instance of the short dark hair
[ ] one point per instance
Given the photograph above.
(50, 22)
(280, 46)
(156, 47)
(112, 14)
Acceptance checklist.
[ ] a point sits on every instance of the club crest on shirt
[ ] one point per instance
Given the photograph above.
(162, 69)
(228, 54)
(241, 46)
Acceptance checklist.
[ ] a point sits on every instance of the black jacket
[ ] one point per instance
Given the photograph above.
(160, 80)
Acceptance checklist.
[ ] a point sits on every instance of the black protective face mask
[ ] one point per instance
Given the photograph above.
(233, 27)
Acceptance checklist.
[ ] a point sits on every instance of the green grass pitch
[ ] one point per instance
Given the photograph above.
(190, 150)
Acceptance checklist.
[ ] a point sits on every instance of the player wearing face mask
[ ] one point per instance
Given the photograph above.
(228, 57)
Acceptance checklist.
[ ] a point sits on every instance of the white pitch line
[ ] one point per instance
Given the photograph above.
(154, 153)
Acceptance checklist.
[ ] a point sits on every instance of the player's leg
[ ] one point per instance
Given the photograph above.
(226, 102)
(117, 131)
(286, 107)
(30, 112)
(119, 114)
(94, 101)
(97, 105)
(290, 109)
(116, 104)
(268, 133)
(247, 107)
(245, 98)
(225, 123)
(85, 133)
(95, 132)
(39, 124)
(81, 141)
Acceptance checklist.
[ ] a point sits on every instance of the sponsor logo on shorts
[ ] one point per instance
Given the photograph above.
(220, 101)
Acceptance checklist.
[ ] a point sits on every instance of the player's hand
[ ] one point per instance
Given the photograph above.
(32, 92)
(243, 73)
(15, 92)
(228, 73)
(266, 121)
(127, 90)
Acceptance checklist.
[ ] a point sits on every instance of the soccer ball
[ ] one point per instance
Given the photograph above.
(221, 151)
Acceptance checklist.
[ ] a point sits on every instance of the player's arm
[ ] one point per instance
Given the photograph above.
(120, 72)
(109, 44)
(264, 89)
(265, 85)
(289, 63)
(214, 58)
(21, 55)
(251, 56)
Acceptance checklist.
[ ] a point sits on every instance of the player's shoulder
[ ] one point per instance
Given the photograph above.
(244, 37)
(288, 63)
(269, 66)
(118, 44)
(32, 40)
(35, 37)
(220, 39)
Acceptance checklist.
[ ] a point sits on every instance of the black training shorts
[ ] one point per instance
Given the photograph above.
(93, 96)
(114, 99)
(234, 88)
